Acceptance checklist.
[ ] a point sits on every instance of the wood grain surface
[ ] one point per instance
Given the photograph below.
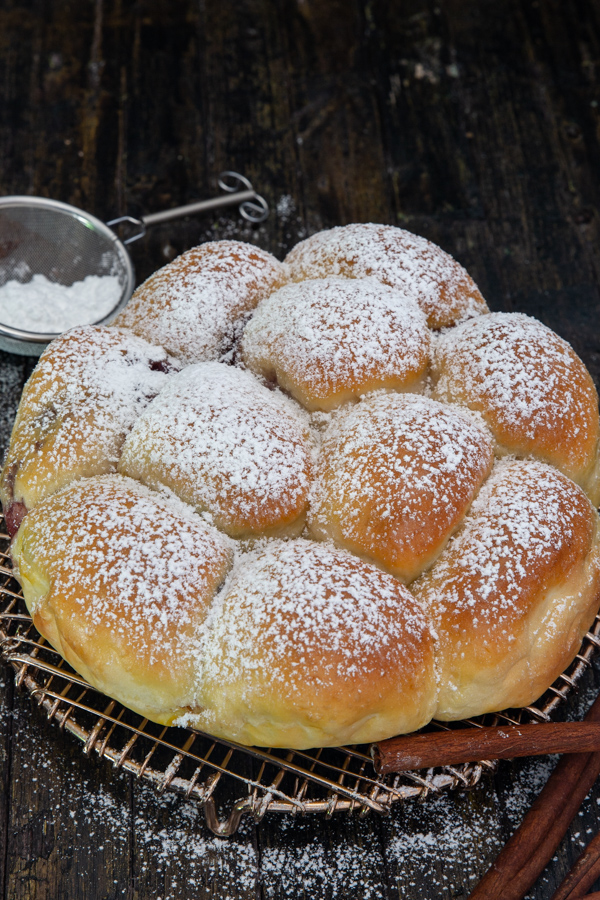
(475, 123)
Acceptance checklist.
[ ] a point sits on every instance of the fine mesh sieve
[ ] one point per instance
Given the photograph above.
(65, 245)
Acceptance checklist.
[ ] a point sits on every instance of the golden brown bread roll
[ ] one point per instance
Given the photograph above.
(514, 592)
(120, 581)
(444, 290)
(300, 643)
(199, 302)
(227, 446)
(76, 410)
(329, 341)
(533, 391)
(396, 476)
(309, 646)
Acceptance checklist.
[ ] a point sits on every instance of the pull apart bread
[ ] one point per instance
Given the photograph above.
(339, 499)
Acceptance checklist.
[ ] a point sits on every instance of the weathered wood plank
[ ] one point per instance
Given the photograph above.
(175, 856)
(13, 373)
(470, 123)
(69, 825)
(6, 737)
(483, 131)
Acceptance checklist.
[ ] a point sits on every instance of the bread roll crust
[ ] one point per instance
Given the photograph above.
(309, 646)
(444, 290)
(120, 581)
(76, 410)
(514, 592)
(227, 446)
(198, 302)
(533, 391)
(396, 476)
(328, 341)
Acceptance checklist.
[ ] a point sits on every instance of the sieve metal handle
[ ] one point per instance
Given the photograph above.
(252, 206)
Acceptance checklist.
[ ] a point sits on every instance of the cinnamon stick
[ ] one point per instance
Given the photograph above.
(583, 875)
(447, 748)
(533, 844)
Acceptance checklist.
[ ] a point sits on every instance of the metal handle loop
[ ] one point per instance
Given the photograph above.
(236, 178)
(255, 210)
(140, 224)
(252, 206)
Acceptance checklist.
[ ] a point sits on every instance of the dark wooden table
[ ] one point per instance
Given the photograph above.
(475, 123)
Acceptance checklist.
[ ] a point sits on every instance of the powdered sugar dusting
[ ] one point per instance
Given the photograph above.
(309, 638)
(444, 290)
(527, 382)
(224, 443)
(199, 302)
(526, 515)
(332, 600)
(329, 338)
(163, 557)
(397, 473)
(348, 864)
(86, 392)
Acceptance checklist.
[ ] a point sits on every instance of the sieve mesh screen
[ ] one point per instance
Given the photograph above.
(58, 244)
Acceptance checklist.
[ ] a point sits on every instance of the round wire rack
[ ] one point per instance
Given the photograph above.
(210, 771)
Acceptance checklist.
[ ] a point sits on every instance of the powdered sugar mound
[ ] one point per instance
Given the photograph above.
(198, 303)
(329, 339)
(527, 382)
(224, 443)
(123, 558)
(41, 305)
(86, 392)
(397, 473)
(444, 290)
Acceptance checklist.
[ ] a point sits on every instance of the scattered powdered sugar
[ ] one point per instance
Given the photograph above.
(443, 846)
(332, 337)
(224, 443)
(444, 290)
(198, 303)
(438, 848)
(11, 386)
(350, 864)
(520, 374)
(100, 823)
(41, 305)
(285, 207)
(444, 843)
(396, 474)
(86, 392)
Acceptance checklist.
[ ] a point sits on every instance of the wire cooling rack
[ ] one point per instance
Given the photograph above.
(227, 779)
